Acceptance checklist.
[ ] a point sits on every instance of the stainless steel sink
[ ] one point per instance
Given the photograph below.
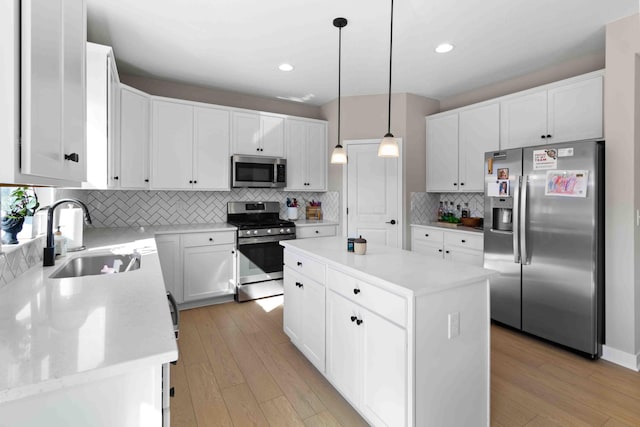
(98, 265)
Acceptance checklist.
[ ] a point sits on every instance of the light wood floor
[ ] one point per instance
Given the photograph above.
(238, 368)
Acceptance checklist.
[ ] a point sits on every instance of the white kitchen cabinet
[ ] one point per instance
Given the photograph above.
(304, 315)
(456, 143)
(131, 167)
(44, 92)
(458, 246)
(306, 155)
(442, 153)
(103, 92)
(258, 134)
(207, 264)
(315, 230)
(479, 132)
(168, 246)
(190, 146)
(569, 110)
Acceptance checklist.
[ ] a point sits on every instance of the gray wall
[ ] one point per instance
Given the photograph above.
(220, 97)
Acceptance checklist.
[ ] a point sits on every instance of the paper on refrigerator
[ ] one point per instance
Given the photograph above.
(570, 183)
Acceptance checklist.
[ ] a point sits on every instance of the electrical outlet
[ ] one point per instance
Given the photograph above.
(454, 325)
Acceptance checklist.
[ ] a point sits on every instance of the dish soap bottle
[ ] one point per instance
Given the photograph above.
(59, 243)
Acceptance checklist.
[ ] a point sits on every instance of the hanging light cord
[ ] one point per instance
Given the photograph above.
(339, 77)
(390, 57)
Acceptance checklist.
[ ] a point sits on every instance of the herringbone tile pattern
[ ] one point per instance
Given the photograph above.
(16, 262)
(424, 206)
(133, 208)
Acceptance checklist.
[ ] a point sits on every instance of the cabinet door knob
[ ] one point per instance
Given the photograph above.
(146, 180)
(439, 250)
(195, 182)
(317, 232)
(299, 264)
(446, 252)
(463, 241)
(426, 235)
(300, 285)
(353, 318)
(356, 291)
(257, 149)
(191, 182)
(462, 183)
(115, 177)
(233, 252)
(359, 322)
(73, 157)
(455, 184)
(543, 136)
(548, 136)
(211, 239)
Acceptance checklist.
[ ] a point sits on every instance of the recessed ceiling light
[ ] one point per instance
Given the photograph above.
(444, 48)
(285, 67)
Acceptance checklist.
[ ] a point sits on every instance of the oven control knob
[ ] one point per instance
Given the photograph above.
(255, 231)
(269, 231)
(249, 232)
(282, 230)
(288, 230)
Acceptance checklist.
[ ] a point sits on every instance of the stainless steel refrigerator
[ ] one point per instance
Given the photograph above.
(544, 232)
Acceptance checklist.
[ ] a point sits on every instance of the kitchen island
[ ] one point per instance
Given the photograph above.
(404, 338)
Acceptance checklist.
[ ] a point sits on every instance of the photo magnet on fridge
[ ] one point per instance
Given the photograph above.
(503, 173)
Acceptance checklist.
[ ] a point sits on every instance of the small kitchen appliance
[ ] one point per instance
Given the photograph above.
(259, 254)
(258, 172)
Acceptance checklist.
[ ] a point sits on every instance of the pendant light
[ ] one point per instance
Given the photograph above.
(339, 155)
(389, 145)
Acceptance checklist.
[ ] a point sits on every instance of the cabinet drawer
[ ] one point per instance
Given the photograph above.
(315, 231)
(427, 235)
(207, 239)
(379, 301)
(464, 240)
(303, 265)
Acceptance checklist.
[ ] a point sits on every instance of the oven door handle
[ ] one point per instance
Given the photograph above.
(174, 304)
(263, 239)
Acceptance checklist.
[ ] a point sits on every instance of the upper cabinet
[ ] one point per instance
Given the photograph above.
(130, 168)
(103, 93)
(567, 111)
(258, 134)
(43, 87)
(456, 143)
(190, 146)
(306, 155)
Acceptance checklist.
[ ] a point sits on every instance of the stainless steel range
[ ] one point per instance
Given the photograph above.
(259, 253)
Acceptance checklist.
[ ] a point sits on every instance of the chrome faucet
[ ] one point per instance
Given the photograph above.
(49, 257)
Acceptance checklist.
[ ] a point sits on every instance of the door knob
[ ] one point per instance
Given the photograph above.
(392, 222)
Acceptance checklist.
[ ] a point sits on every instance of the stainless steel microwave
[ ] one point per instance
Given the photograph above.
(258, 172)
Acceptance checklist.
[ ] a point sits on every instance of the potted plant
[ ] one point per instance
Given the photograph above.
(22, 202)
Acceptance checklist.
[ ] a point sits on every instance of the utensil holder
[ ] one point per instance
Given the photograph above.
(292, 213)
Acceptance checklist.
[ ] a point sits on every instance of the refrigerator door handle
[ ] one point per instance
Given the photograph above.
(522, 229)
(516, 219)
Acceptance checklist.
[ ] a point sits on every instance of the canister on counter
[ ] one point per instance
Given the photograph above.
(350, 244)
(360, 246)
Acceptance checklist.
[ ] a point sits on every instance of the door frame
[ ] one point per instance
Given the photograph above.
(345, 185)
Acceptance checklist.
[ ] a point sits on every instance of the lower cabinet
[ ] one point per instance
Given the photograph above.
(197, 266)
(304, 315)
(459, 246)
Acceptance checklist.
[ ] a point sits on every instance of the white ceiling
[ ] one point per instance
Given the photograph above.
(237, 45)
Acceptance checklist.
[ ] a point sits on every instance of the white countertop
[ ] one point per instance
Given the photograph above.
(444, 227)
(62, 332)
(313, 222)
(405, 272)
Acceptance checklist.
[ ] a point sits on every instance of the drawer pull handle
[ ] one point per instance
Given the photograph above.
(353, 318)
(211, 239)
(299, 264)
(426, 235)
(73, 157)
(356, 291)
(463, 241)
(317, 232)
(359, 322)
(300, 285)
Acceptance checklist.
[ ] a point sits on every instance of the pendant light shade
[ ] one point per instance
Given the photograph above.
(389, 144)
(339, 155)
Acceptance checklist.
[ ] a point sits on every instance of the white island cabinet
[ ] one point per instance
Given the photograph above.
(404, 338)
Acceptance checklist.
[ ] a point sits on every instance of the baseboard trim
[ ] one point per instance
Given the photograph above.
(619, 357)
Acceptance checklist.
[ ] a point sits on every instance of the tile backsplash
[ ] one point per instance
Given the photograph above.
(424, 206)
(133, 208)
(16, 261)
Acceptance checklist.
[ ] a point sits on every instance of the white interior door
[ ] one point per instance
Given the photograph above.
(373, 195)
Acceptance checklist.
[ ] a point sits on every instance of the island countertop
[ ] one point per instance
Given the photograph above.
(406, 272)
(57, 333)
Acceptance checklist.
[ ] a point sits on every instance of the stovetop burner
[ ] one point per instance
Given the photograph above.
(258, 216)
